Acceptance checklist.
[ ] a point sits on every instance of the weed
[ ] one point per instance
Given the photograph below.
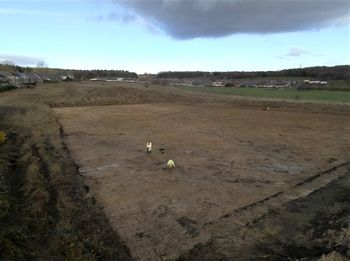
(2, 137)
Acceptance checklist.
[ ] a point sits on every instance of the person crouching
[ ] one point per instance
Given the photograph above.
(170, 164)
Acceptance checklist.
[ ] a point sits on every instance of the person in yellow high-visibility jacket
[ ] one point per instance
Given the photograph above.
(170, 164)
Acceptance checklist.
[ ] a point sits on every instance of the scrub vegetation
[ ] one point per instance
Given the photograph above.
(45, 212)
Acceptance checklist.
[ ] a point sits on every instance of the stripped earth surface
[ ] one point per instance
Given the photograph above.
(233, 165)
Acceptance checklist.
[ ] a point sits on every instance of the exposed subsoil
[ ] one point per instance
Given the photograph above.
(233, 165)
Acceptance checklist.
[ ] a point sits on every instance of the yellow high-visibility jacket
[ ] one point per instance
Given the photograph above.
(170, 164)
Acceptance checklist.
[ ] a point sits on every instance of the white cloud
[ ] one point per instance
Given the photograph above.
(296, 51)
(21, 59)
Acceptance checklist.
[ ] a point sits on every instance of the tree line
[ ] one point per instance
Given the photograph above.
(340, 72)
(77, 74)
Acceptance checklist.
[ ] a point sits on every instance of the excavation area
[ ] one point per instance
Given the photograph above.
(230, 164)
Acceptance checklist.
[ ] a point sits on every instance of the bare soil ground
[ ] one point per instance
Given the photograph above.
(233, 165)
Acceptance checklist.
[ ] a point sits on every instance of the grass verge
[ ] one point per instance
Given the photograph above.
(336, 96)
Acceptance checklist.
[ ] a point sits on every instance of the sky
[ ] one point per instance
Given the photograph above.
(175, 35)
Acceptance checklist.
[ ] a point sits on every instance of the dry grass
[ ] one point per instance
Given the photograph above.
(42, 199)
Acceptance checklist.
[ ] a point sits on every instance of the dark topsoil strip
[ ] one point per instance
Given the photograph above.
(304, 229)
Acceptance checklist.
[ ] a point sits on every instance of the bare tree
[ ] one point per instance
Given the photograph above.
(41, 64)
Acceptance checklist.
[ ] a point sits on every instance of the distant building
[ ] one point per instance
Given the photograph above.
(4, 81)
(36, 77)
(218, 84)
(315, 82)
(67, 78)
(11, 78)
(50, 77)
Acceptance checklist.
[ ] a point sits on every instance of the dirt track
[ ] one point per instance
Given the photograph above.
(227, 159)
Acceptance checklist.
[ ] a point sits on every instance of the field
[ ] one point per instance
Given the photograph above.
(77, 184)
(335, 96)
(227, 159)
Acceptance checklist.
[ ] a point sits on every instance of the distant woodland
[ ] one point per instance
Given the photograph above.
(341, 72)
(78, 74)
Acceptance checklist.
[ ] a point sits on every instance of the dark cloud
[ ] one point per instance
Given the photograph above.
(185, 19)
(20, 59)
